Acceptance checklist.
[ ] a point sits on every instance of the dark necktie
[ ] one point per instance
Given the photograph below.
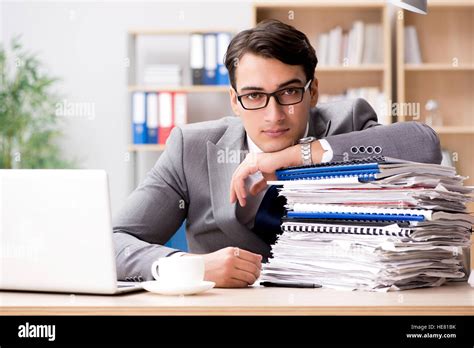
(268, 218)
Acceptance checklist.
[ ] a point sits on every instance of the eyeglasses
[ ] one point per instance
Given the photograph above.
(284, 96)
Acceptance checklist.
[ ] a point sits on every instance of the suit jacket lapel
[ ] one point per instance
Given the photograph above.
(223, 158)
(318, 127)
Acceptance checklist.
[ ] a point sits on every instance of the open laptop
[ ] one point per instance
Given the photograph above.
(56, 232)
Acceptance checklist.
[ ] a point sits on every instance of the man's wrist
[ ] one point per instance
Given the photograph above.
(292, 156)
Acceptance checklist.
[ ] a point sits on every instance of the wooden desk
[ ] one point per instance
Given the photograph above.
(453, 299)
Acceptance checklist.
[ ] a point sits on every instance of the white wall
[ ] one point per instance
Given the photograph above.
(1, 21)
(84, 43)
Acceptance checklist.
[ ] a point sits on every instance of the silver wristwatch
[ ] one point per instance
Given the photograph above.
(306, 150)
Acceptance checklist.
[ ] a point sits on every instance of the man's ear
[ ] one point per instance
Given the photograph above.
(314, 90)
(234, 103)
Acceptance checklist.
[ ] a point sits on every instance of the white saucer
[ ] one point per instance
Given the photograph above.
(167, 289)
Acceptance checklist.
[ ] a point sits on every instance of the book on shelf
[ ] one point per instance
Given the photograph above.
(373, 44)
(372, 95)
(412, 46)
(362, 44)
(335, 41)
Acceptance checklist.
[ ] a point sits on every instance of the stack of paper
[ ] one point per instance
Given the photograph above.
(372, 224)
(163, 75)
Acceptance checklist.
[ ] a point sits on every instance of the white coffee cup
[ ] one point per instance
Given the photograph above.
(179, 270)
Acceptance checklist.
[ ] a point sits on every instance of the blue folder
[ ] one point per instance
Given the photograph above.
(362, 168)
(368, 174)
(355, 216)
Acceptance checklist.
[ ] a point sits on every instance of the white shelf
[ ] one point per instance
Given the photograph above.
(186, 89)
(438, 67)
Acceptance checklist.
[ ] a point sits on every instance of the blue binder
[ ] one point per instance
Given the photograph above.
(355, 216)
(139, 118)
(152, 118)
(366, 174)
(364, 169)
(210, 59)
(223, 40)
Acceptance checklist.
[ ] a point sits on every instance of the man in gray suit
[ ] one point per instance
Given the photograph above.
(208, 168)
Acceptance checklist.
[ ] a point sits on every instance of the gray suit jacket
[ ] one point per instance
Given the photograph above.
(191, 181)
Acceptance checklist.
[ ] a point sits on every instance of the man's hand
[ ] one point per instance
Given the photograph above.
(267, 164)
(232, 267)
(253, 163)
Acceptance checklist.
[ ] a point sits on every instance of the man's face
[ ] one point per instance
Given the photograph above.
(275, 127)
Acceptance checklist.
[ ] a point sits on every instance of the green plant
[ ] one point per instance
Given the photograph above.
(28, 122)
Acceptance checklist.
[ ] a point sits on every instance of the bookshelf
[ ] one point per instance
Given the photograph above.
(446, 74)
(316, 17)
(133, 85)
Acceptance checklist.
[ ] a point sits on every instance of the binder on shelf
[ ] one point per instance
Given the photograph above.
(139, 118)
(197, 58)
(165, 102)
(210, 59)
(152, 118)
(180, 108)
(223, 40)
